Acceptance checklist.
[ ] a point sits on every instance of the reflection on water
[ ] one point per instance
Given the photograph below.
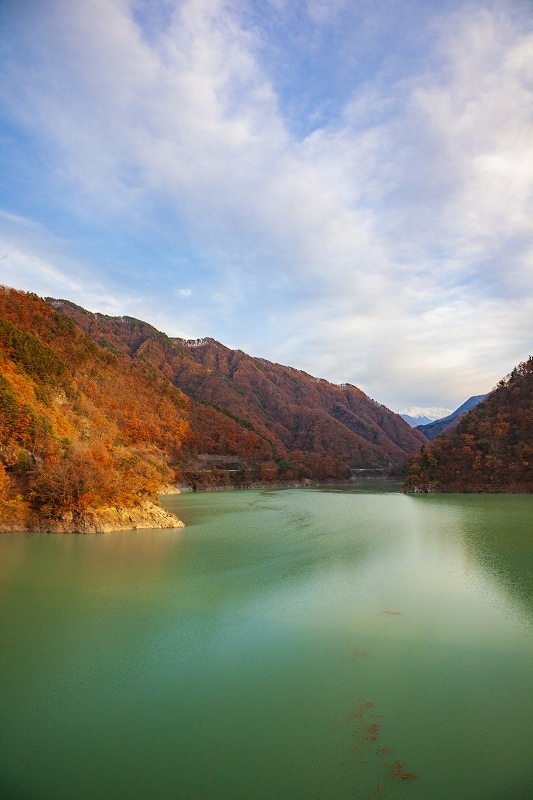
(286, 644)
(361, 484)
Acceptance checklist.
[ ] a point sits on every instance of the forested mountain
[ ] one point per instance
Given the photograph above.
(490, 450)
(314, 428)
(80, 427)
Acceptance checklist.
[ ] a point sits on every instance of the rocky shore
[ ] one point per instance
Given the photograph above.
(97, 520)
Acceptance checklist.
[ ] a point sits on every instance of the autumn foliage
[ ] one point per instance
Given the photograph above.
(79, 426)
(490, 450)
(295, 425)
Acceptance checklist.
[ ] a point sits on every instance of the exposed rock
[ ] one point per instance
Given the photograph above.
(169, 488)
(98, 520)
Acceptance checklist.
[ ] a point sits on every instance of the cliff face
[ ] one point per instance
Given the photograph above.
(315, 428)
(490, 450)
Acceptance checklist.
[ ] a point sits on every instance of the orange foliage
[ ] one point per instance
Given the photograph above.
(79, 426)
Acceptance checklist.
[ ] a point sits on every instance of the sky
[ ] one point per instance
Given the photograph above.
(343, 186)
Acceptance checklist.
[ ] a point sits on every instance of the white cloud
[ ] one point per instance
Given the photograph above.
(34, 260)
(391, 247)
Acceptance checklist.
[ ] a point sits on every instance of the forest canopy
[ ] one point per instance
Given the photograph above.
(490, 450)
(79, 427)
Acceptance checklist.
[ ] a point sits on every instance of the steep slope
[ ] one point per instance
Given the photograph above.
(490, 450)
(438, 426)
(316, 428)
(81, 430)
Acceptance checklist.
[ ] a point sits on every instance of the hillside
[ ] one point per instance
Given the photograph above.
(315, 429)
(85, 436)
(433, 429)
(490, 450)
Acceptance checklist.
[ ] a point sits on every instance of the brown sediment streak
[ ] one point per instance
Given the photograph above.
(354, 654)
(393, 613)
(367, 735)
(399, 774)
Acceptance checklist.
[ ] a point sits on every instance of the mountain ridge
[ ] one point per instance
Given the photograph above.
(308, 419)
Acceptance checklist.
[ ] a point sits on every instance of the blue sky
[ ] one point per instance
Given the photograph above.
(345, 187)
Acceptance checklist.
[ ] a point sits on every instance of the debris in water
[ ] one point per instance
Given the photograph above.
(399, 774)
(366, 746)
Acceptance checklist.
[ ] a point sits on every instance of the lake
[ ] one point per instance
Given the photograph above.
(286, 645)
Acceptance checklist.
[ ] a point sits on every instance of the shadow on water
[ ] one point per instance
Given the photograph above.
(371, 485)
(497, 533)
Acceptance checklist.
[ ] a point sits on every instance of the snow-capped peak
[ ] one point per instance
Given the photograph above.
(431, 413)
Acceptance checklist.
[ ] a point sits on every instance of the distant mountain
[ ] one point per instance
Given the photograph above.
(489, 450)
(433, 429)
(415, 421)
(308, 426)
(414, 415)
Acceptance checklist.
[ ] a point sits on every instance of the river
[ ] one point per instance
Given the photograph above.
(315, 644)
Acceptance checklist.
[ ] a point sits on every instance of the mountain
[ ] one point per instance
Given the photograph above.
(414, 415)
(415, 421)
(433, 429)
(308, 426)
(489, 450)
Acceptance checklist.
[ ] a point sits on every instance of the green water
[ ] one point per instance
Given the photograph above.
(248, 657)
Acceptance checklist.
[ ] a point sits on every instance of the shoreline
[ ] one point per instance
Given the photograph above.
(107, 519)
(306, 484)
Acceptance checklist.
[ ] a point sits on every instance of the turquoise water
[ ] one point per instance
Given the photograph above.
(286, 645)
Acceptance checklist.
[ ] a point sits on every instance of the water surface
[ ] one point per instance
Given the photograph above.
(286, 645)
